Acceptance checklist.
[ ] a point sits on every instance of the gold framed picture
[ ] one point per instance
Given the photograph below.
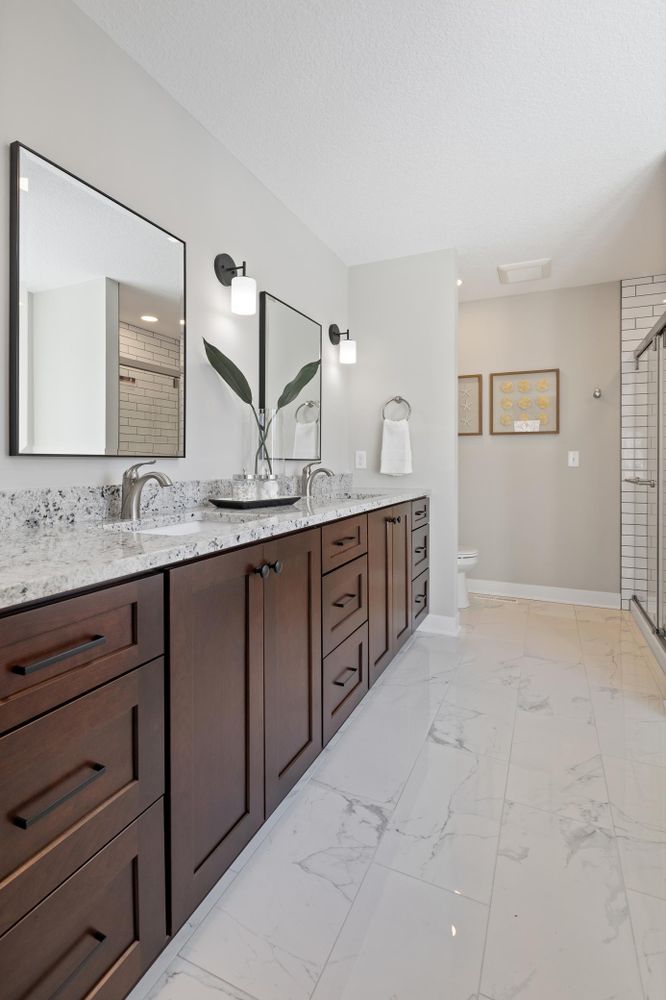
(526, 402)
(470, 405)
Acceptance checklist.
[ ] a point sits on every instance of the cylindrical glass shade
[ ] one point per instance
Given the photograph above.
(347, 352)
(243, 296)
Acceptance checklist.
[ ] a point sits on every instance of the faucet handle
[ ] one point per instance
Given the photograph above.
(129, 475)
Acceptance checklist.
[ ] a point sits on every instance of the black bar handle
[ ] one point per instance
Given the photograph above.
(276, 567)
(27, 821)
(348, 670)
(32, 668)
(344, 600)
(421, 548)
(99, 941)
(421, 513)
(343, 541)
(263, 570)
(420, 599)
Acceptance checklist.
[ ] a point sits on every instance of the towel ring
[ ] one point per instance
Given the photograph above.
(399, 400)
(311, 404)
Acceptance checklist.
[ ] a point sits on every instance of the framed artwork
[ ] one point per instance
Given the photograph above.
(470, 405)
(525, 402)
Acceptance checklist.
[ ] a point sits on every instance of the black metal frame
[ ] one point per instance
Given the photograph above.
(262, 363)
(14, 267)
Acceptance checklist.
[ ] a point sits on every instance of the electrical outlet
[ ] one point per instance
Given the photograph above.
(361, 460)
(574, 459)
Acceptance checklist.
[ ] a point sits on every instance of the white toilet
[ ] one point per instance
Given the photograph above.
(467, 558)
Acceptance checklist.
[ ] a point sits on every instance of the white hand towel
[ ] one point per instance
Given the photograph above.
(306, 438)
(396, 448)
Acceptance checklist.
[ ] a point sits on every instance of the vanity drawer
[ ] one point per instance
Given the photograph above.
(344, 602)
(345, 680)
(71, 780)
(343, 541)
(100, 930)
(420, 598)
(420, 550)
(420, 512)
(53, 653)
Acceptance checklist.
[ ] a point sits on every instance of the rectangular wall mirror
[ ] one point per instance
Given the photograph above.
(97, 321)
(288, 340)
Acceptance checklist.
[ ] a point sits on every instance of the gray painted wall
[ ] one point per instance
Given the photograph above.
(404, 317)
(533, 519)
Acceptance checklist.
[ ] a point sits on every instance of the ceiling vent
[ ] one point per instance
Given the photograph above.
(527, 270)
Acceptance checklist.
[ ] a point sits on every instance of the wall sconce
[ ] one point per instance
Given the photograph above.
(347, 346)
(243, 289)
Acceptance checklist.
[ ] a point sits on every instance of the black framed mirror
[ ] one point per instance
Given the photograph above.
(288, 340)
(97, 321)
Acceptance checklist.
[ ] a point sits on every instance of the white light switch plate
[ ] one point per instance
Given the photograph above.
(574, 459)
(361, 460)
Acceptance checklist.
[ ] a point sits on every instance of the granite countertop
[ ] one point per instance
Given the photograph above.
(43, 562)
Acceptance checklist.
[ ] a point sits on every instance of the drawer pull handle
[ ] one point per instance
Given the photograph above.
(99, 941)
(343, 541)
(420, 598)
(348, 670)
(421, 548)
(32, 668)
(27, 821)
(420, 513)
(344, 600)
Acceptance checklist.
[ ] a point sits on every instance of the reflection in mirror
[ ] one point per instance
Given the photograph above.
(288, 341)
(97, 321)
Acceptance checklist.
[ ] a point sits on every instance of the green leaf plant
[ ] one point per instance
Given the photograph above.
(233, 376)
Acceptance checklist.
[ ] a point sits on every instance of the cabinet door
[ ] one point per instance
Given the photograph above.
(292, 661)
(216, 729)
(401, 576)
(379, 590)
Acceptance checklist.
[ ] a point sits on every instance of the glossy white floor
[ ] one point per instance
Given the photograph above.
(491, 823)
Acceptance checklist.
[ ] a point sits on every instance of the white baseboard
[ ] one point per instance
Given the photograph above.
(556, 595)
(439, 625)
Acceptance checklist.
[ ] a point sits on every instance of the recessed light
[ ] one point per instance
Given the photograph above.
(527, 270)
(149, 319)
(459, 282)
(24, 183)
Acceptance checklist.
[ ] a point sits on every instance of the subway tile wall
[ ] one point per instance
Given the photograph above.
(150, 410)
(643, 302)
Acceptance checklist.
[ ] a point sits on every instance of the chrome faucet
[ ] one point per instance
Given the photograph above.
(133, 485)
(310, 473)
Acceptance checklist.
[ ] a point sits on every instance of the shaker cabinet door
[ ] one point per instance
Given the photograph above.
(217, 724)
(292, 661)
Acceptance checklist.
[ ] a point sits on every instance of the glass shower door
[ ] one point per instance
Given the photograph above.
(647, 495)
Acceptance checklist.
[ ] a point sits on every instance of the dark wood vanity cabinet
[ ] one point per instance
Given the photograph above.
(245, 681)
(389, 584)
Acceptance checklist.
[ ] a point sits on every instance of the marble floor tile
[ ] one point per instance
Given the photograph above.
(553, 639)
(428, 658)
(559, 925)
(446, 825)
(272, 931)
(406, 939)
(584, 614)
(630, 724)
(648, 916)
(477, 716)
(545, 609)
(185, 981)
(548, 688)
(625, 671)
(637, 795)
(556, 766)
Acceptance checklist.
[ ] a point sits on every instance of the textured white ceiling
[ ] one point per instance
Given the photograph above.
(510, 129)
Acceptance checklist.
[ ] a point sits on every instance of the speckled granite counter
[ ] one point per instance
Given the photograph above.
(42, 562)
